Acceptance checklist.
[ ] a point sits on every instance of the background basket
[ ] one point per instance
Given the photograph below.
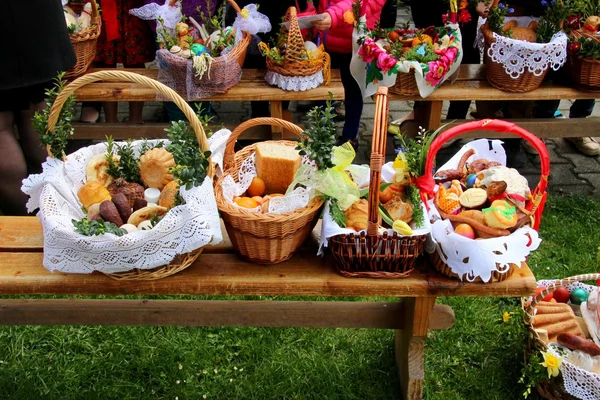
(538, 196)
(295, 62)
(225, 70)
(84, 44)
(551, 389)
(257, 237)
(185, 260)
(406, 84)
(584, 71)
(374, 255)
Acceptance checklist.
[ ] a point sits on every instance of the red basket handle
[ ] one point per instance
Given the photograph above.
(539, 193)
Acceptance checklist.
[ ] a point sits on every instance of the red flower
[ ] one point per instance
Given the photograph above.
(464, 17)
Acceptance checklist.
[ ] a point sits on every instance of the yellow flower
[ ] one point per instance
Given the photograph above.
(552, 363)
(463, 4)
(506, 316)
(349, 17)
(245, 13)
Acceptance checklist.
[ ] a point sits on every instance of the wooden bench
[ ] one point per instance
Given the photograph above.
(218, 271)
(471, 84)
(252, 87)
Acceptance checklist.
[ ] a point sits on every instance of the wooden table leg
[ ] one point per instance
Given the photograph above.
(410, 342)
(433, 115)
(276, 112)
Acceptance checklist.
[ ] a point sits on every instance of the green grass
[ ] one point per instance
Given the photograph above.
(480, 358)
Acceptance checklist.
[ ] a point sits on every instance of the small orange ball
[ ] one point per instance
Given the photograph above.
(257, 187)
(246, 202)
(422, 39)
(465, 230)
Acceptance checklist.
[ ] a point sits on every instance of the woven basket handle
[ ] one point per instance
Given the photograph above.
(229, 157)
(558, 284)
(539, 194)
(94, 15)
(123, 76)
(377, 157)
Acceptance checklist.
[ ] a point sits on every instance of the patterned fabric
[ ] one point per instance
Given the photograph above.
(135, 43)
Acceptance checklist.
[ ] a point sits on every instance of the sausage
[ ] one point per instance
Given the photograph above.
(574, 342)
(109, 213)
(122, 205)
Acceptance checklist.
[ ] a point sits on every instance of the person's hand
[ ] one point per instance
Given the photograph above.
(324, 23)
(482, 9)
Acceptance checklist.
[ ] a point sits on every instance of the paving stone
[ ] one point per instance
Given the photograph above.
(584, 164)
(594, 179)
(562, 174)
(584, 190)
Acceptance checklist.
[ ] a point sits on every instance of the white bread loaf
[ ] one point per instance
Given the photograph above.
(277, 164)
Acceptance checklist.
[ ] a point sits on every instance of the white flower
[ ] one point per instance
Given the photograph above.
(180, 367)
(178, 381)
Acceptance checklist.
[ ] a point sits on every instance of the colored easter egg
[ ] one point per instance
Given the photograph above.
(578, 296)
(198, 49)
(471, 180)
(465, 230)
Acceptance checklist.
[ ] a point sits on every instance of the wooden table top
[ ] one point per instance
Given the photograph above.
(218, 271)
(251, 87)
(470, 84)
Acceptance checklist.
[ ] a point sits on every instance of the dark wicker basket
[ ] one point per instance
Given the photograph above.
(374, 255)
(406, 84)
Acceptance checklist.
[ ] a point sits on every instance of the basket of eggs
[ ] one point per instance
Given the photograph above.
(140, 210)
(562, 319)
(379, 235)
(518, 54)
(483, 215)
(292, 63)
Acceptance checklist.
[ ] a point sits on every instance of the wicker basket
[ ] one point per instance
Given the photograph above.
(222, 76)
(374, 255)
(535, 204)
(296, 62)
(497, 76)
(584, 71)
(406, 84)
(551, 389)
(257, 237)
(84, 44)
(183, 261)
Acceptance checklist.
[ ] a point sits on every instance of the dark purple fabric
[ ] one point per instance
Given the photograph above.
(188, 8)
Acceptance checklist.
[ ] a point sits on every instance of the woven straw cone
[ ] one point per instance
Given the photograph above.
(295, 62)
(551, 389)
(257, 237)
(183, 261)
(406, 84)
(84, 44)
(374, 255)
(584, 71)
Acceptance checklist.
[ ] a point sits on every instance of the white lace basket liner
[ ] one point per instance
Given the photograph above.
(518, 56)
(472, 259)
(360, 175)
(578, 382)
(183, 229)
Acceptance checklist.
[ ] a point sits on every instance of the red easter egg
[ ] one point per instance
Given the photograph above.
(562, 295)
(539, 290)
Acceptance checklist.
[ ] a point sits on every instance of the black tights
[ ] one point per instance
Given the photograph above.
(18, 157)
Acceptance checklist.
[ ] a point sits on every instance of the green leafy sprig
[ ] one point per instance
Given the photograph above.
(495, 19)
(128, 166)
(163, 36)
(336, 213)
(57, 141)
(319, 137)
(415, 150)
(589, 48)
(96, 227)
(212, 19)
(412, 54)
(414, 198)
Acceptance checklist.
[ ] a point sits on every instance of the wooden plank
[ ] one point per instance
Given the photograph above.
(251, 87)
(276, 112)
(323, 314)
(542, 127)
(433, 115)
(123, 131)
(305, 274)
(442, 317)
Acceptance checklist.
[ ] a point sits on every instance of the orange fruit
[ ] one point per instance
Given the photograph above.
(246, 202)
(257, 187)
(422, 39)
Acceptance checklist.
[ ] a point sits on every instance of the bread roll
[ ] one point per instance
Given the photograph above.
(92, 193)
(96, 167)
(146, 213)
(277, 164)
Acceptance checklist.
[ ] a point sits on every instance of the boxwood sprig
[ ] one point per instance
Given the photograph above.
(319, 137)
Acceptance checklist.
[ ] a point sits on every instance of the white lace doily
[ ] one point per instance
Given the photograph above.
(578, 382)
(297, 198)
(471, 259)
(330, 228)
(517, 56)
(294, 83)
(183, 229)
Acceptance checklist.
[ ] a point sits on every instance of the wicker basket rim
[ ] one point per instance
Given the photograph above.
(92, 31)
(488, 36)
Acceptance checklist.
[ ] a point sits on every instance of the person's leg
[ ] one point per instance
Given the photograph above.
(545, 108)
(352, 98)
(13, 168)
(35, 153)
(586, 145)
(388, 14)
